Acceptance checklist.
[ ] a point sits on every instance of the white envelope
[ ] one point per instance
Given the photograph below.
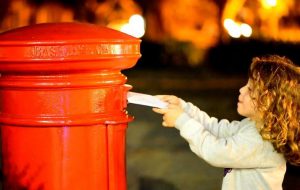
(145, 100)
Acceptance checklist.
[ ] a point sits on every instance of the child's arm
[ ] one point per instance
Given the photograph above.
(245, 149)
(222, 128)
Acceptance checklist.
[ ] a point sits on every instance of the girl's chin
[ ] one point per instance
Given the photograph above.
(238, 105)
(239, 112)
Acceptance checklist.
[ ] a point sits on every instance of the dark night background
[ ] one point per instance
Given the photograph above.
(208, 73)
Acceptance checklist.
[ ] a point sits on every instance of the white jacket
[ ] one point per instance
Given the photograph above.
(252, 163)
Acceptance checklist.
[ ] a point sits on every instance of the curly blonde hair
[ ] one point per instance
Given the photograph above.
(276, 90)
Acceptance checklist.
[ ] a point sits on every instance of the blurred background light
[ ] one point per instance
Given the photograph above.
(269, 3)
(135, 27)
(236, 30)
(187, 30)
(246, 30)
(233, 28)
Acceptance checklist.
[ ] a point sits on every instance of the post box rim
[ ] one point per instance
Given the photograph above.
(50, 47)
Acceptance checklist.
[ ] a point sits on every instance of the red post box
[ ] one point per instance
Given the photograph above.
(62, 110)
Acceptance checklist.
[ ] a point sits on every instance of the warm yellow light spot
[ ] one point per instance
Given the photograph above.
(246, 30)
(232, 28)
(269, 3)
(236, 30)
(135, 27)
(228, 23)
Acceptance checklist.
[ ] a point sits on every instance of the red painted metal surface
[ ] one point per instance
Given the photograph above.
(63, 106)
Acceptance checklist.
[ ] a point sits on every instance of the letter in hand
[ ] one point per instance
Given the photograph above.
(171, 99)
(171, 113)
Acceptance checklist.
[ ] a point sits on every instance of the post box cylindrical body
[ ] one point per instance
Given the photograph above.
(63, 106)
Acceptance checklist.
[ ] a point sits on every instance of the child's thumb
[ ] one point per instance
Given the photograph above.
(160, 111)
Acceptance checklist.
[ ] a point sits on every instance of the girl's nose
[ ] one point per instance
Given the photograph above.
(242, 89)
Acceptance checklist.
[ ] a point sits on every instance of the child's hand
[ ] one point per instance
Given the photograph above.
(170, 99)
(170, 114)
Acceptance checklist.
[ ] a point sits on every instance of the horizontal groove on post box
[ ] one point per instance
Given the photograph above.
(30, 66)
(70, 80)
(77, 120)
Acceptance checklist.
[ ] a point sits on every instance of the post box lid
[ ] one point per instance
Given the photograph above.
(66, 46)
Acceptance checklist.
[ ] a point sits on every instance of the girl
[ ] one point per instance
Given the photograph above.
(254, 151)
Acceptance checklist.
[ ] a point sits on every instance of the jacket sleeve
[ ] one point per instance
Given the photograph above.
(244, 149)
(222, 128)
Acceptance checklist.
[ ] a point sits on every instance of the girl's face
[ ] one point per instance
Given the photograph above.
(246, 105)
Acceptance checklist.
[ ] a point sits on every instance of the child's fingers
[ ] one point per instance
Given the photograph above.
(160, 111)
(163, 97)
(172, 106)
(164, 124)
(160, 96)
(168, 98)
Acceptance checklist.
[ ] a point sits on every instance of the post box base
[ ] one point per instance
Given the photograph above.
(63, 158)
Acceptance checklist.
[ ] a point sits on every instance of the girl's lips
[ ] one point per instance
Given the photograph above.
(239, 100)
